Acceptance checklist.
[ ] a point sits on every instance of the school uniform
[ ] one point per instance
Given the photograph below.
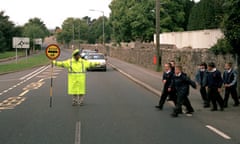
(201, 79)
(214, 82)
(181, 84)
(167, 76)
(230, 78)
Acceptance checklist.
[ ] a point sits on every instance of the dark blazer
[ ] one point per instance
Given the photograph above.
(181, 84)
(230, 77)
(214, 79)
(168, 77)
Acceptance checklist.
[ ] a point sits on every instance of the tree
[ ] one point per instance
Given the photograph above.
(119, 21)
(66, 35)
(74, 30)
(7, 31)
(187, 5)
(35, 28)
(231, 28)
(207, 14)
(96, 30)
(84, 30)
(172, 15)
(135, 19)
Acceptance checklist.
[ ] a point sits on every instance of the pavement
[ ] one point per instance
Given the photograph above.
(150, 80)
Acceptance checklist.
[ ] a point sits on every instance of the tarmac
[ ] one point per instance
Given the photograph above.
(148, 79)
(152, 81)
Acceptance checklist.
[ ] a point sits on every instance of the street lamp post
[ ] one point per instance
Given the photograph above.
(79, 36)
(103, 27)
(73, 35)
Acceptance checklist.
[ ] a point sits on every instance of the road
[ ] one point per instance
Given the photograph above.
(116, 111)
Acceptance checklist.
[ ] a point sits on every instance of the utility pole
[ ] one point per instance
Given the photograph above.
(157, 34)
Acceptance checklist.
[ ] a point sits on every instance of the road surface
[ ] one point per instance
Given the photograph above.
(116, 110)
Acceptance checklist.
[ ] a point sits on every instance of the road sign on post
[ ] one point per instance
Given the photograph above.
(21, 42)
(52, 52)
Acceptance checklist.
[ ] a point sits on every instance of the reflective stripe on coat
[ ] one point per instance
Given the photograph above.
(76, 74)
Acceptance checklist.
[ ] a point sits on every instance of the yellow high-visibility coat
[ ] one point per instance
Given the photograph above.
(76, 74)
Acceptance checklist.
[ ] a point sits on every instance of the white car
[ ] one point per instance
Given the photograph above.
(99, 58)
(85, 52)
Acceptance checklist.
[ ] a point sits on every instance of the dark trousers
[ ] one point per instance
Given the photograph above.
(204, 95)
(183, 100)
(215, 97)
(165, 94)
(233, 91)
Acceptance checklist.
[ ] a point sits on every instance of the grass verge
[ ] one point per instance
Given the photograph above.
(11, 54)
(25, 63)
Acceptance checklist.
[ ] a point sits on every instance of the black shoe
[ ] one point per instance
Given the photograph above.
(174, 114)
(180, 111)
(159, 107)
(236, 104)
(190, 111)
(206, 106)
(221, 109)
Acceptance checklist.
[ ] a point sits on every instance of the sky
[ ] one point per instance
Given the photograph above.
(52, 12)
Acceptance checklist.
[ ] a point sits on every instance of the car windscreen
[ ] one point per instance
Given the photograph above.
(95, 57)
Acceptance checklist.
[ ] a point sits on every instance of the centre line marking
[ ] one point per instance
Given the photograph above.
(218, 132)
(78, 133)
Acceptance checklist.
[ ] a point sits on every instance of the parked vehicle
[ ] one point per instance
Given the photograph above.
(97, 57)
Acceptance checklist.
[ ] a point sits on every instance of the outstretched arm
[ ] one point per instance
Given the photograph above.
(64, 64)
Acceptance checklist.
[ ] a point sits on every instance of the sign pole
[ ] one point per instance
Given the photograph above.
(26, 55)
(51, 86)
(52, 52)
(16, 56)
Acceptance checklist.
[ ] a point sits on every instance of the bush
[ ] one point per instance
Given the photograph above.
(222, 47)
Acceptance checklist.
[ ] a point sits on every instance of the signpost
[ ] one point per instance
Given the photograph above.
(21, 42)
(52, 52)
(37, 41)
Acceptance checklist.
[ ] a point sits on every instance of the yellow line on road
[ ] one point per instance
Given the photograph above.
(23, 93)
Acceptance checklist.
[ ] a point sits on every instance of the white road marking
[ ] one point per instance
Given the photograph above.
(220, 133)
(78, 133)
(26, 78)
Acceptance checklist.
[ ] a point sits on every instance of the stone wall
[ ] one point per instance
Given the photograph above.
(143, 54)
(191, 58)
